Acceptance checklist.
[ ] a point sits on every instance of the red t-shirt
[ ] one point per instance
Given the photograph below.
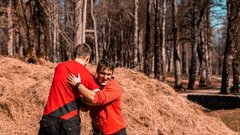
(62, 100)
(107, 117)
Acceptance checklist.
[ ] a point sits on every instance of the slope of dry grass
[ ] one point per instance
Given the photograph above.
(149, 106)
(230, 117)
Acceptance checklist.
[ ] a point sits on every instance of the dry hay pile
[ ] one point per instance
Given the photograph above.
(23, 90)
(149, 106)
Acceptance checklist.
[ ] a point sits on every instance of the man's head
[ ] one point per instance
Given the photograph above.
(83, 51)
(104, 72)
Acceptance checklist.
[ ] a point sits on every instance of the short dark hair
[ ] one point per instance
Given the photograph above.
(82, 50)
(102, 65)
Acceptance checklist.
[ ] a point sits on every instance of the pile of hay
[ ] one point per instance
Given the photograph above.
(150, 107)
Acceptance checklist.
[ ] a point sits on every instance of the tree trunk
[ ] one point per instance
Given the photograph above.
(135, 49)
(184, 59)
(193, 68)
(147, 41)
(236, 51)
(163, 49)
(184, 44)
(176, 51)
(228, 54)
(10, 29)
(104, 37)
(170, 58)
(27, 30)
(202, 58)
(95, 34)
(42, 30)
(236, 73)
(55, 32)
(23, 28)
(157, 41)
(209, 47)
(140, 58)
(80, 21)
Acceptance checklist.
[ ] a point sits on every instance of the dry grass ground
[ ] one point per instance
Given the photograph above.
(150, 107)
(230, 117)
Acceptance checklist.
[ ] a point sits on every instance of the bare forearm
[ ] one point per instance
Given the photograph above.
(88, 94)
(76, 83)
(88, 102)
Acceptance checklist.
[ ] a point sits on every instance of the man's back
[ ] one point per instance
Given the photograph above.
(61, 114)
(62, 99)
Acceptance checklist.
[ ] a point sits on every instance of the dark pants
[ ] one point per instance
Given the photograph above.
(121, 132)
(55, 126)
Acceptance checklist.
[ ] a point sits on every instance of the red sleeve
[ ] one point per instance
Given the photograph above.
(92, 85)
(109, 93)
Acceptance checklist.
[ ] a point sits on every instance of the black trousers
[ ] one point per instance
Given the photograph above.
(121, 132)
(55, 126)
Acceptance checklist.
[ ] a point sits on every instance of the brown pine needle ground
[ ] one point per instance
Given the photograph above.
(149, 106)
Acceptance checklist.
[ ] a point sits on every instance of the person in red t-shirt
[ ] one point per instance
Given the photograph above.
(61, 113)
(105, 109)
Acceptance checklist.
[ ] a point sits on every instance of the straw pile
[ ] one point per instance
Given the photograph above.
(150, 107)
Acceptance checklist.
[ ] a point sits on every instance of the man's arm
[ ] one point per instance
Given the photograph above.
(110, 92)
(88, 94)
(88, 102)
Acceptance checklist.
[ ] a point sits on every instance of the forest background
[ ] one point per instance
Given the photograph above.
(157, 37)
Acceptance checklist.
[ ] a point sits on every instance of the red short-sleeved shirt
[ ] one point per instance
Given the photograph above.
(62, 100)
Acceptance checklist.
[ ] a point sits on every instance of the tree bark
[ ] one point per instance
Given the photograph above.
(193, 67)
(135, 49)
(95, 34)
(184, 59)
(202, 59)
(209, 47)
(141, 63)
(157, 41)
(163, 45)
(55, 32)
(147, 41)
(229, 47)
(236, 51)
(176, 51)
(10, 29)
(80, 11)
(236, 73)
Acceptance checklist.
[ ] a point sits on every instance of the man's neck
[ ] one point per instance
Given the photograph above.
(81, 61)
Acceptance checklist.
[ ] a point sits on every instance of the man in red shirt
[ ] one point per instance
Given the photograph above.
(61, 114)
(105, 112)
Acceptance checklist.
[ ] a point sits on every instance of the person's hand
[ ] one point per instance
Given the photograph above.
(73, 80)
(96, 90)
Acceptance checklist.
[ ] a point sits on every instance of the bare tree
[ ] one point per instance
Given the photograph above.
(236, 73)
(81, 11)
(157, 41)
(177, 66)
(136, 43)
(10, 29)
(209, 42)
(163, 45)
(147, 41)
(55, 37)
(193, 67)
(232, 15)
